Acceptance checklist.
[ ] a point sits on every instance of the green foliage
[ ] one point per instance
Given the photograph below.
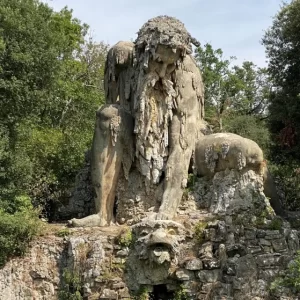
(16, 231)
(63, 232)
(191, 182)
(114, 269)
(231, 91)
(291, 278)
(190, 185)
(72, 286)
(73, 279)
(275, 224)
(261, 218)
(142, 294)
(295, 223)
(181, 294)
(282, 48)
(199, 231)
(266, 220)
(281, 42)
(51, 87)
(289, 175)
(251, 127)
(125, 238)
(216, 77)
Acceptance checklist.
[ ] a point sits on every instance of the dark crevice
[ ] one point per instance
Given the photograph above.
(160, 292)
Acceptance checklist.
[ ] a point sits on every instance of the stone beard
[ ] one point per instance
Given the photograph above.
(154, 105)
(154, 113)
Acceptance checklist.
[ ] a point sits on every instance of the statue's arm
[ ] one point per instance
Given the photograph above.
(190, 88)
(183, 134)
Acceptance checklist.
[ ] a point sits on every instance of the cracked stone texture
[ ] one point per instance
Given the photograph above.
(233, 257)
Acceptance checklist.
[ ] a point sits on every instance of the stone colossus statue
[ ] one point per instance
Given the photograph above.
(152, 117)
(151, 127)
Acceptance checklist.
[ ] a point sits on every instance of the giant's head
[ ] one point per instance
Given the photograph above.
(161, 43)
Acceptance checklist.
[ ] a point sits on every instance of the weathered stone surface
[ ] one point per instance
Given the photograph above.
(124, 294)
(271, 260)
(118, 285)
(183, 275)
(279, 245)
(235, 249)
(37, 275)
(246, 267)
(272, 234)
(220, 151)
(264, 242)
(108, 295)
(206, 250)
(163, 253)
(293, 241)
(210, 264)
(123, 252)
(268, 274)
(194, 265)
(209, 276)
(250, 234)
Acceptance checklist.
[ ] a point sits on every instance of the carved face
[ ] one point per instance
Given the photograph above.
(164, 60)
(153, 259)
(158, 243)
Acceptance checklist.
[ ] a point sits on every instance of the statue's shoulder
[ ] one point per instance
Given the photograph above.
(121, 54)
(118, 68)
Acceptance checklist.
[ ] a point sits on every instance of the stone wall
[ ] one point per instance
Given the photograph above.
(226, 243)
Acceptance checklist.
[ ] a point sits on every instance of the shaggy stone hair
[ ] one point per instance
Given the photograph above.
(164, 30)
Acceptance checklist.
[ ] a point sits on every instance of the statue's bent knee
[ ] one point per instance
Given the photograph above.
(105, 114)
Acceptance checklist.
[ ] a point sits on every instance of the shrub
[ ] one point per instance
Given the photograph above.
(142, 294)
(125, 238)
(63, 232)
(181, 294)
(249, 127)
(199, 231)
(71, 287)
(16, 231)
(291, 278)
(288, 175)
(275, 224)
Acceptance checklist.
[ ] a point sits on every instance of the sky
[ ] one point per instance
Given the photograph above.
(235, 26)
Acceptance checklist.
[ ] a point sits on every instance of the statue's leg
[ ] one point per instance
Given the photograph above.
(177, 169)
(106, 160)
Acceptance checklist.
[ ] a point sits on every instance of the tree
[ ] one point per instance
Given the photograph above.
(216, 76)
(232, 91)
(282, 48)
(50, 88)
(252, 90)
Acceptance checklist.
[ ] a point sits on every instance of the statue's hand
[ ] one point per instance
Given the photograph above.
(89, 221)
(70, 222)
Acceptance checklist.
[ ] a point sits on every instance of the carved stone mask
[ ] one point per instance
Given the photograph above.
(158, 244)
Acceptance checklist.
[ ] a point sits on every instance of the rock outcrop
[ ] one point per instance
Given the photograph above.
(226, 243)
